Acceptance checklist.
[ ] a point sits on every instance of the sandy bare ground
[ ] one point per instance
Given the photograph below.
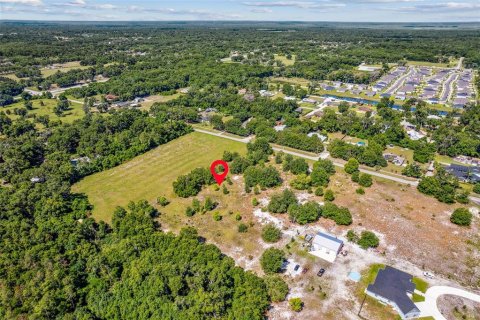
(414, 230)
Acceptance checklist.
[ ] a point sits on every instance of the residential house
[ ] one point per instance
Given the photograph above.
(393, 158)
(265, 93)
(468, 174)
(320, 136)
(395, 288)
(111, 97)
(308, 100)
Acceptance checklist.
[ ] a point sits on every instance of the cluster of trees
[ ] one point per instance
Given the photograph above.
(8, 89)
(461, 217)
(449, 136)
(443, 186)
(352, 168)
(311, 211)
(271, 234)
(261, 125)
(255, 172)
(367, 239)
(198, 207)
(319, 177)
(272, 260)
(371, 155)
(91, 269)
(192, 183)
(104, 141)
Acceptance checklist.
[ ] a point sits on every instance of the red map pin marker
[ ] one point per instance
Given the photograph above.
(219, 177)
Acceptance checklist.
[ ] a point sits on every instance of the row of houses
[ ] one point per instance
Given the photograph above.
(387, 79)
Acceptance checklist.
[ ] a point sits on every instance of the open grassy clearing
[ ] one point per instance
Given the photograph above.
(149, 101)
(11, 76)
(285, 60)
(73, 113)
(64, 67)
(151, 174)
(452, 63)
(296, 81)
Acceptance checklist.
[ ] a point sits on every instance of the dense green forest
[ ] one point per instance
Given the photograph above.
(154, 58)
(58, 263)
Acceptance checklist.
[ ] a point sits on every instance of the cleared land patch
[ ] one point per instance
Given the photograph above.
(285, 60)
(64, 67)
(151, 174)
(73, 113)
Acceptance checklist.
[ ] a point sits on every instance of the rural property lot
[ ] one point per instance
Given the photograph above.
(73, 113)
(151, 174)
(422, 233)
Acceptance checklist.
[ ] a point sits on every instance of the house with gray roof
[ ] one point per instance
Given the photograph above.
(395, 288)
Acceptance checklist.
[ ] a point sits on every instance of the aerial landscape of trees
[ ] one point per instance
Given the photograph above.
(57, 262)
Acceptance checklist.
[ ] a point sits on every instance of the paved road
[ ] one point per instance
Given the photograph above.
(315, 158)
(429, 306)
(221, 134)
(447, 87)
(76, 101)
(460, 63)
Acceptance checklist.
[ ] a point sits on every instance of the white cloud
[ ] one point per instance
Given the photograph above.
(78, 2)
(261, 10)
(105, 6)
(25, 2)
(297, 4)
(442, 6)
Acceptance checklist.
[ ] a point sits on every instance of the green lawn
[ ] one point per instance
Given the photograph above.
(11, 76)
(339, 135)
(75, 111)
(418, 298)
(432, 64)
(295, 81)
(150, 100)
(448, 160)
(64, 68)
(284, 60)
(151, 174)
(369, 276)
(420, 284)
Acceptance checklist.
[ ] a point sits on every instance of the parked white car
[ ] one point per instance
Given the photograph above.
(428, 275)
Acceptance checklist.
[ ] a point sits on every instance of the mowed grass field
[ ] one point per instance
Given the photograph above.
(73, 113)
(151, 175)
(64, 67)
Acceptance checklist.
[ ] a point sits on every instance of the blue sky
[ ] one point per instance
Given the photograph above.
(268, 10)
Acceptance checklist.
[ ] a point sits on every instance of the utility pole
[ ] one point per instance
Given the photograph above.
(361, 306)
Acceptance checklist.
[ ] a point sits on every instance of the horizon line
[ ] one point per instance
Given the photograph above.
(242, 20)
